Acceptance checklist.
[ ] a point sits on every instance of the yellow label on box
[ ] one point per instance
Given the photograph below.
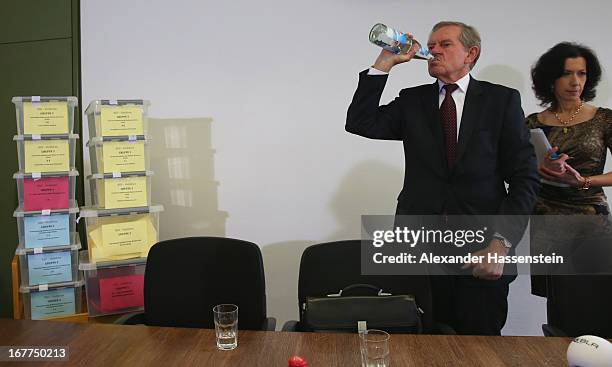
(123, 156)
(125, 192)
(46, 155)
(125, 238)
(121, 120)
(104, 247)
(45, 118)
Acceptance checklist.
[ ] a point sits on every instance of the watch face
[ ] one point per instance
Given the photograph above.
(503, 241)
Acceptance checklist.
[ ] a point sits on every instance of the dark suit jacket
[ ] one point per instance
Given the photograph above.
(493, 148)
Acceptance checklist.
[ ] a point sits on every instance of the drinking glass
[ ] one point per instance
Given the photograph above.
(374, 346)
(226, 326)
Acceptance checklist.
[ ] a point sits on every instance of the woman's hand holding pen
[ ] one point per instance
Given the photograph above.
(555, 168)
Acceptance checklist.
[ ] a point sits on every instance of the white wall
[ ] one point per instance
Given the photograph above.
(249, 101)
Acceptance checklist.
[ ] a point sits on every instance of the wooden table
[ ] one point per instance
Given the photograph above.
(124, 345)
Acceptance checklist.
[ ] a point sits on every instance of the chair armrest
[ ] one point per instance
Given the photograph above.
(444, 329)
(134, 318)
(550, 330)
(269, 324)
(291, 325)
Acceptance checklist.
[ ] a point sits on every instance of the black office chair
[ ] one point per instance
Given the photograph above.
(186, 277)
(579, 305)
(329, 267)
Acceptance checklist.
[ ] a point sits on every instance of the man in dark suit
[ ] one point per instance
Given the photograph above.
(463, 139)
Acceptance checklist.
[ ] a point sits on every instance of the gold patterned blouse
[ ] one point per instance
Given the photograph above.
(587, 144)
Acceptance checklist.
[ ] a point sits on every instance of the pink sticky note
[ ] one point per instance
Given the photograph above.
(119, 293)
(45, 193)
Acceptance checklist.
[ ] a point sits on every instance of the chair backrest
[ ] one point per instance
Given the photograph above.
(186, 277)
(580, 304)
(329, 267)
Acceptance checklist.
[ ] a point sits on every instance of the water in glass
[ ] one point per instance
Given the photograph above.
(227, 337)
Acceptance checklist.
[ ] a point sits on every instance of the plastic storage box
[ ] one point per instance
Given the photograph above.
(126, 154)
(113, 287)
(127, 117)
(119, 234)
(58, 264)
(49, 191)
(53, 300)
(46, 153)
(45, 115)
(120, 190)
(46, 228)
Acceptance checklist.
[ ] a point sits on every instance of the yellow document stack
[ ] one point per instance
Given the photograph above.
(51, 284)
(122, 223)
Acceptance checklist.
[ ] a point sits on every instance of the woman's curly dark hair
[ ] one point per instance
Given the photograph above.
(551, 66)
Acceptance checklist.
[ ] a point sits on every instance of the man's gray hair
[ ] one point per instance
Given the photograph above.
(469, 36)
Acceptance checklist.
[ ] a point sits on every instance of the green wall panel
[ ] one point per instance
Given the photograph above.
(39, 55)
(30, 20)
(36, 68)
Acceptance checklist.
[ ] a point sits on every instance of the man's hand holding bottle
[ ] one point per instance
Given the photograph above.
(387, 59)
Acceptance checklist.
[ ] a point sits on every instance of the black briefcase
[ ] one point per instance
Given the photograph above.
(362, 302)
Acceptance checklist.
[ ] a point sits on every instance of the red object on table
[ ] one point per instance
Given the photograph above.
(297, 361)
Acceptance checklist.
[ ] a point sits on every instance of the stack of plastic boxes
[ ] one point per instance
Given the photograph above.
(46, 216)
(121, 224)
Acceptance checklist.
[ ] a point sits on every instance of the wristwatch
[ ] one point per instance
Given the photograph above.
(503, 240)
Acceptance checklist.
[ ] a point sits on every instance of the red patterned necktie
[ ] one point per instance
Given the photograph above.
(448, 115)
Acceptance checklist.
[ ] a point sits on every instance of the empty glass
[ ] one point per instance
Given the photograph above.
(374, 346)
(226, 326)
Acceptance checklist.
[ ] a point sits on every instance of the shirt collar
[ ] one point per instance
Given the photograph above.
(462, 83)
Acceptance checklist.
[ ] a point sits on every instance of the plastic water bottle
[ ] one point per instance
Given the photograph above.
(396, 42)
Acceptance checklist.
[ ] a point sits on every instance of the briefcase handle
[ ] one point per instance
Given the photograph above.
(353, 287)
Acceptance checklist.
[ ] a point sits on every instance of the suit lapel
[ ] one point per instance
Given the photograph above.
(470, 119)
(430, 105)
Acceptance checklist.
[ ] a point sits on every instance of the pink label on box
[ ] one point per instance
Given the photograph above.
(45, 193)
(120, 293)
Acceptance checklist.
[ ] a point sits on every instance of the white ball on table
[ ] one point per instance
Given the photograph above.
(589, 351)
